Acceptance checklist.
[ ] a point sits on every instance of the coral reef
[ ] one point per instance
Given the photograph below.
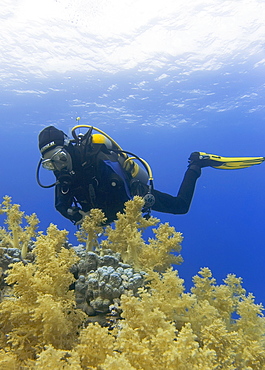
(211, 327)
(41, 309)
(17, 236)
(103, 279)
(92, 225)
(126, 238)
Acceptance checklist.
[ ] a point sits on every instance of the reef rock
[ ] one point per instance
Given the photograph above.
(102, 279)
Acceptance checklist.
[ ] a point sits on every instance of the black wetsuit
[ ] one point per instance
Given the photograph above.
(94, 184)
(179, 204)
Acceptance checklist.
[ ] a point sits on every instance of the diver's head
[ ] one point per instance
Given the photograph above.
(57, 159)
(52, 145)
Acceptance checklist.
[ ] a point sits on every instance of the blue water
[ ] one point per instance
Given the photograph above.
(162, 114)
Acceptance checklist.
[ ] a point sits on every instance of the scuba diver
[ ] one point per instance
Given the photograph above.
(93, 171)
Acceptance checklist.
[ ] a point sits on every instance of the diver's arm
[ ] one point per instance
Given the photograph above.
(64, 205)
(179, 204)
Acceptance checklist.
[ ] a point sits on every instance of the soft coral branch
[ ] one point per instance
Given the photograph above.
(16, 235)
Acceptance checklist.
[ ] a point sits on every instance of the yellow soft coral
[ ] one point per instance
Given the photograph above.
(17, 236)
(212, 327)
(157, 254)
(150, 340)
(8, 360)
(90, 228)
(127, 238)
(42, 309)
(52, 358)
(95, 344)
(167, 328)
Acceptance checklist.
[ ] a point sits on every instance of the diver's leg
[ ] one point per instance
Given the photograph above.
(181, 203)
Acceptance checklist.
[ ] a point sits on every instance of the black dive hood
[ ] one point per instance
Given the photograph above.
(51, 137)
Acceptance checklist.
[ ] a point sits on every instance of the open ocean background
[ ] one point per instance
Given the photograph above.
(164, 79)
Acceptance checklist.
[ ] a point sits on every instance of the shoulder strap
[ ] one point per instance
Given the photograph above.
(115, 166)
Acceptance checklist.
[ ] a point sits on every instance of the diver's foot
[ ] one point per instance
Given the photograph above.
(200, 160)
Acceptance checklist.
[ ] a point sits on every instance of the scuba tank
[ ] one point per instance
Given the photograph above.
(127, 162)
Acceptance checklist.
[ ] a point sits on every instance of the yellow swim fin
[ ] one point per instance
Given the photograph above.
(229, 163)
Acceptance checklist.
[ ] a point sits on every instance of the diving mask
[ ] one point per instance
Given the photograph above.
(57, 159)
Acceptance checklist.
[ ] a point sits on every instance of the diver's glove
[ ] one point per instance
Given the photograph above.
(75, 214)
(83, 215)
(73, 211)
(200, 160)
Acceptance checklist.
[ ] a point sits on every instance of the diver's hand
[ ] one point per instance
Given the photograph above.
(83, 214)
(72, 211)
